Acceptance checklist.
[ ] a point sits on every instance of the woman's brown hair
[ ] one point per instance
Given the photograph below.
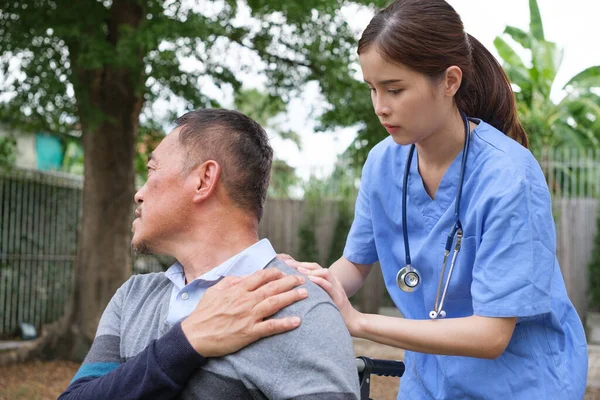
(428, 36)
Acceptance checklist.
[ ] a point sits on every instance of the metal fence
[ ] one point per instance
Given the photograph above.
(571, 173)
(38, 236)
(39, 218)
(573, 177)
(40, 213)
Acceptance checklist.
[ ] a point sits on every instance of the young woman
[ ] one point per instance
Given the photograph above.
(454, 191)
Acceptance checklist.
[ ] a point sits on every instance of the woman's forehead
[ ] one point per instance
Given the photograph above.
(377, 69)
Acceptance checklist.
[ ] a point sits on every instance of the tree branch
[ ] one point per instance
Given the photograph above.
(288, 61)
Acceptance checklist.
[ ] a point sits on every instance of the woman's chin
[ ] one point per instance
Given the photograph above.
(401, 140)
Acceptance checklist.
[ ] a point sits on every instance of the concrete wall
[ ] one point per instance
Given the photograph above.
(26, 153)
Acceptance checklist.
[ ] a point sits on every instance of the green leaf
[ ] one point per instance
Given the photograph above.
(519, 36)
(507, 53)
(283, 179)
(513, 64)
(586, 79)
(291, 135)
(8, 151)
(535, 24)
(546, 59)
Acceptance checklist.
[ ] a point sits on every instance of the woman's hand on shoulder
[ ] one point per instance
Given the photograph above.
(326, 280)
(302, 267)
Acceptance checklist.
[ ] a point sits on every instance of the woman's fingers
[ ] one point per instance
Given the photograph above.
(321, 276)
(304, 265)
(324, 278)
(323, 273)
(284, 257)
(324, 283)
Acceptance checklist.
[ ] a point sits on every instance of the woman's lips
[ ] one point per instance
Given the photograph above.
(390, 128)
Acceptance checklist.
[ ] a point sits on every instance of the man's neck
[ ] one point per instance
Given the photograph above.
(211, 244)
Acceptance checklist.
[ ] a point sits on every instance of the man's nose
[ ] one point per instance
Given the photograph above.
(138, 197)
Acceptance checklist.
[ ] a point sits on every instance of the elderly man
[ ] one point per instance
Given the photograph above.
(192, 331)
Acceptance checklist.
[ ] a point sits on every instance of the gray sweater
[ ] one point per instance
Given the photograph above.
(137, 354)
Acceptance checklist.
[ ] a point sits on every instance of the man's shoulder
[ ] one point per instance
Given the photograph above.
(148, 278)
(315, 360)
(143, 284)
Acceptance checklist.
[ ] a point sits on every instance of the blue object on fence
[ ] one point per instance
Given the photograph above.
(49, 152)
(27, 331)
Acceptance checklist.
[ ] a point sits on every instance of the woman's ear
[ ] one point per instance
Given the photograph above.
(452, 80)
(205, 178)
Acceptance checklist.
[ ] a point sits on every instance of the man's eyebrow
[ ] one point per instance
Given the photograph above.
(386, 82)
(151, 156)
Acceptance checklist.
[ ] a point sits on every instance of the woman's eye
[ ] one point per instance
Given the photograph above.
(394, 91)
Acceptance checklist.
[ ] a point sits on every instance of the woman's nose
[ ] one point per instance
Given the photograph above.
(381, 108)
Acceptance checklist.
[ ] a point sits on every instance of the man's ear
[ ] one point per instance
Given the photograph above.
(452, 80)
(205, 178)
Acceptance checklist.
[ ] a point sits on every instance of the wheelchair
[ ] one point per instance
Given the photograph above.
(367, 366)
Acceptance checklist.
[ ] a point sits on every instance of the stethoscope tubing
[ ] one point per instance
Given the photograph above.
(456, 230)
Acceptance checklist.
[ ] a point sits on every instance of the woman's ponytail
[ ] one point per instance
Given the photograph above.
(487, 94)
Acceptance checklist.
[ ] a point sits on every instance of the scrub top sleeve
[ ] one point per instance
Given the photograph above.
(516, 257)
(360, 244)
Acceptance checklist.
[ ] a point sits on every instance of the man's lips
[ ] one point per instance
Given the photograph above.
(138, 213)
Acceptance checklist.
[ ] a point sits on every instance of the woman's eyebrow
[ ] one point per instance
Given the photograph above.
(386, 82)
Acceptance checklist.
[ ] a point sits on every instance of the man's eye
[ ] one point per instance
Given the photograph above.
(394, 91)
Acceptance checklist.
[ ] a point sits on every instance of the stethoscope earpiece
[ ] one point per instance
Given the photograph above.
(435, 314)
(408, 279)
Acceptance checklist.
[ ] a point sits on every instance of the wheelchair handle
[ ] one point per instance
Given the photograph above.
(379, 367)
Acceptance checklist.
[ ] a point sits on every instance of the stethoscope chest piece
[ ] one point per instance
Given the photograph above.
(408, 279)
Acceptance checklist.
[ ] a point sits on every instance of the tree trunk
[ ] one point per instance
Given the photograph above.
(110, 102)
(103, 256)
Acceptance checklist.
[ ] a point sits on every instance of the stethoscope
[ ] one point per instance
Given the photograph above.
(408, 278)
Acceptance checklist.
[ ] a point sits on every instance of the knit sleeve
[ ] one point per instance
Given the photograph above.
(160, 371)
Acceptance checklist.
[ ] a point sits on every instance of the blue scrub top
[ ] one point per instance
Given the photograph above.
(507, 267)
